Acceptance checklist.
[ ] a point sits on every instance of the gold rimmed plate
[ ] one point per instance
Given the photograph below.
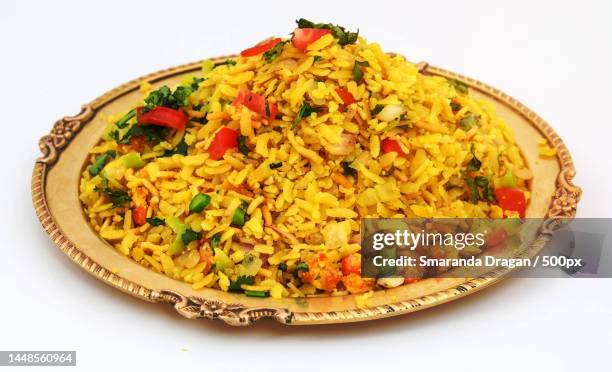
(55, 183)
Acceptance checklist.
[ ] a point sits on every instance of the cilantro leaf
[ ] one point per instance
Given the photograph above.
(229, 62)
(242, 279)
(242, 146)
(155, 134)
(347, 170)
(190, 235)
(304, 112)
(160, 97)
(344, 37)
(214, 241)
(471, 184)
(377, 109)
(302, 266)
(474, 163)
(117, 197)
(155, 221)
(357, 71)
(181, 149)
(271, 54)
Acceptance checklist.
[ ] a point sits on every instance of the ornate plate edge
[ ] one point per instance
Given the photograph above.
(563, 205)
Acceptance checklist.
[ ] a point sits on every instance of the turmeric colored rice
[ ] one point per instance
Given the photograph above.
(253, 176)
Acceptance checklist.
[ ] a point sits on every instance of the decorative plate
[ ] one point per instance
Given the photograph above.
(55, 195)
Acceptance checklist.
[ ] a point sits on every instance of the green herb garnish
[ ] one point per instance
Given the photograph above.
(455, 106)
(357, 70)
(214, 241)
(117, 197)
(302, 266)
(344, 37)
(155, 221)
(271, 54)
(276, 165)
(488, 193)
(190, 236)
(474, 163)
(474, 193)
(481, 181)
(155, 134)
(166, 98)
(377, 109)
(242, 147)
(304, 112)
(347, 170)
(229, 62)
(160, 97)
(282, 266)
(242, 279)
(181, 149)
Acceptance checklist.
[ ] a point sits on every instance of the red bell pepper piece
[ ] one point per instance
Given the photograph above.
(511, 199)
(391, 145)
(162, 116)
(261, 47)
(303, 37)
(346, 97)
(256, 103)
(225, 139)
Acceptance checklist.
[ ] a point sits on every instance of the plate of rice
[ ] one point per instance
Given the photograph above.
(234, 188)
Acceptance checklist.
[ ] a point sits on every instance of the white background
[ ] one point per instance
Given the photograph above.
(54, 56)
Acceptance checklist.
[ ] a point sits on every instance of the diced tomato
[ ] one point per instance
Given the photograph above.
(137, 143)
(322, 273)
(511, 199)
(261, 47)
(139, 215)
(303, 37)
(163, 116)
(356, 284)
(224, 140)
(496, 238)
(351, 264)
(256, 103)
(409, 280)
(329, 278)
(391, 145)
(346, 97)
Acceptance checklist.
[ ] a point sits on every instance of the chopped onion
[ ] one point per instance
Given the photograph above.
(390, 112)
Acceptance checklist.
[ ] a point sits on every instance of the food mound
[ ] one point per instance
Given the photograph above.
(253, 176)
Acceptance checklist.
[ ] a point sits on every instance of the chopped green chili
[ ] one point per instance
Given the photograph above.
(198, 203)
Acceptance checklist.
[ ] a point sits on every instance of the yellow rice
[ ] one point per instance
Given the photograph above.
(307, 206)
